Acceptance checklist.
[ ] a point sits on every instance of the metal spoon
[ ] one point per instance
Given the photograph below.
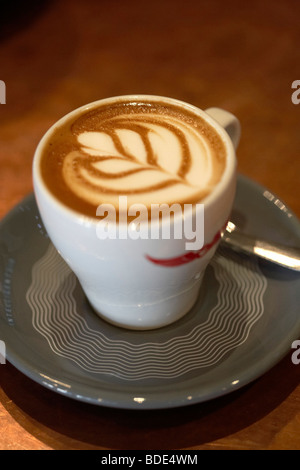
(288, 257)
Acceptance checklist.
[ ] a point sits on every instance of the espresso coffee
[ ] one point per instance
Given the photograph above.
(148, 150)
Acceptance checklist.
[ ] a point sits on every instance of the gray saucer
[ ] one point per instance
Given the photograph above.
(245, 320)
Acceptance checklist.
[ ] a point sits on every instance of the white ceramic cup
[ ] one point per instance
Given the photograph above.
(140, 283)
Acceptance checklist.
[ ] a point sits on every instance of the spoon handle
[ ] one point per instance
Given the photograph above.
(288, 257)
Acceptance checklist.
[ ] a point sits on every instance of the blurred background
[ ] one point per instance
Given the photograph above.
(242, 56)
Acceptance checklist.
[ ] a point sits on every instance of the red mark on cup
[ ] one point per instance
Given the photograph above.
(186, 257)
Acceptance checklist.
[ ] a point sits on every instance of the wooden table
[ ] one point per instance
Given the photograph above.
(242, 56)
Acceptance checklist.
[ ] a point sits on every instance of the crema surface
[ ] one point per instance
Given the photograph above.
(151, 152)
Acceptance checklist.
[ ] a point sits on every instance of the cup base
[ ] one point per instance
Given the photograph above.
(148, 316)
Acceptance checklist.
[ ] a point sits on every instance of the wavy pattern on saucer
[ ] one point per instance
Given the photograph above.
(239, 305)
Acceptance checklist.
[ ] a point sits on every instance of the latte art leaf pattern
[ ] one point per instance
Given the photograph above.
(105, 161)
(131, 158)
(151, 152)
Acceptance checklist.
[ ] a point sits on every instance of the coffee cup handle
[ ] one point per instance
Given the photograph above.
(227, 120)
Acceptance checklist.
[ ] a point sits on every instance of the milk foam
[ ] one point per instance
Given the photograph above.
(145, 163)
(151, 152)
